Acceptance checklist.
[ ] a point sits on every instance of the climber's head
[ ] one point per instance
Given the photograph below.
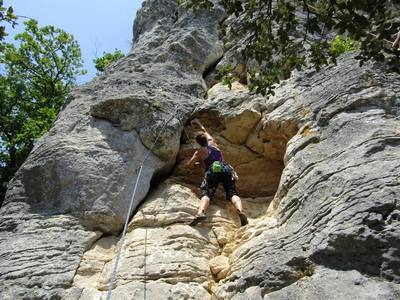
(201, 139)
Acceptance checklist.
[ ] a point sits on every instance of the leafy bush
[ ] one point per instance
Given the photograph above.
(341, 45)
(102, 62)
(225, 74)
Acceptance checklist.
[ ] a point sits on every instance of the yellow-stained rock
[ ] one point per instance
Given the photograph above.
(172, 254)
(170, 203)
(218, 263)
(221, 88)
(238, 127)
(259, 177)
(223, 233)
(236, 154)
(161, 248)
(245, 234)
(219, 266)
(93, 262)
(270, 138)
(254, 142)
(223, 273)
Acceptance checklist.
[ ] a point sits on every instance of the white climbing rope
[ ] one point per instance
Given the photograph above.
(121, 242)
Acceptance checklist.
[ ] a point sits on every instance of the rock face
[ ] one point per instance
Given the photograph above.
(318, 166)
(84, 168)
(90, 157)
(337, 202)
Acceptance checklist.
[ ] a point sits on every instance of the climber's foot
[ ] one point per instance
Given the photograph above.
(198, 218)
(243, 219)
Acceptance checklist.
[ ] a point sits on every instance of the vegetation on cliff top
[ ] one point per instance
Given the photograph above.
(281, 36)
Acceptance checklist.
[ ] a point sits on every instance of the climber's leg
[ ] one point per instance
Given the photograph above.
(208, 187)
(230, 190)
(238, 204)
(204, 204)
(201, 214)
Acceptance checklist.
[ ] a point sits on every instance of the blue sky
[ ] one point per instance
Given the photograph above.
(97, 25)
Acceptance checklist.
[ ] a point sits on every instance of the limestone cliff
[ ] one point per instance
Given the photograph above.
(318, 166)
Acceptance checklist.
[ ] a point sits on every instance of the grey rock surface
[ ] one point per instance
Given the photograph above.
(338, 200)
(318, 166)
(84, 168)
(332, 229)
(333, 284)
(39, 254)
(87, 163)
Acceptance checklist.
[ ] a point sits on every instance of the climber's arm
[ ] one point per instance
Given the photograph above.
(397, 40)
(209, 137)
(198, 156)
(195, 158)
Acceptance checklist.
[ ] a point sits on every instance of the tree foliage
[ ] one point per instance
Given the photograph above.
(102, 62)
(285, 35)
(35, 79)
(6, 15)
(341, 45)
(227, 75)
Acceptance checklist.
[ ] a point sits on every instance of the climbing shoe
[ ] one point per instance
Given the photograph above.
(243, 219)
(198, 218)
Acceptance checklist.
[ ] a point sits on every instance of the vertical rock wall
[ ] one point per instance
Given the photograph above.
(83, 170)
(337, 204)
(318, 166)
(326, 227)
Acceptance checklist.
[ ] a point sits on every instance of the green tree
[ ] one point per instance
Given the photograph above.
(102, 62)
(35, 80)
(281, 35)
(6, 15)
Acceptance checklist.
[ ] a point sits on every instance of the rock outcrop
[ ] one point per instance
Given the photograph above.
(84, 167)
(318, 166)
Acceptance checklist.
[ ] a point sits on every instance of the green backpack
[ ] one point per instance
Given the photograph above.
(216, 167)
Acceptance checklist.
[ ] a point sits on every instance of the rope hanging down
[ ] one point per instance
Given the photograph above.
(121, 242)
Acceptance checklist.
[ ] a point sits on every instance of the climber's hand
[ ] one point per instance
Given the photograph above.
(396, 43)
(196, 122)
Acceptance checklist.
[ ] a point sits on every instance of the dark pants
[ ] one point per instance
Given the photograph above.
(212, 180)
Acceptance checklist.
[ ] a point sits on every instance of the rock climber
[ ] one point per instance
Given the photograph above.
(396, 42)
(216, 171)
